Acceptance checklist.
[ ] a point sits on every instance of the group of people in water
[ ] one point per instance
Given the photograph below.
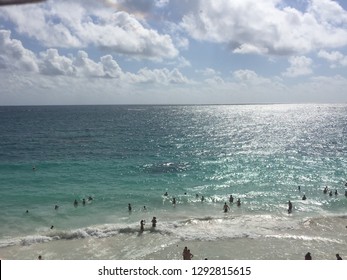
(325, 191)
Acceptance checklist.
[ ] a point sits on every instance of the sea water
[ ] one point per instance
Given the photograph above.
(115, 155)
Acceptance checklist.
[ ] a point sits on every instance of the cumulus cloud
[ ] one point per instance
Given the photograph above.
(268, 27)
(245, 76)
(158, 76)
(14, 56)
(335, 58)
(54, 25)
(299, 66)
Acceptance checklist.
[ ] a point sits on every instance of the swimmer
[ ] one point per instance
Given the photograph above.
(39, 257)
(336, 193)
(304, 197)
(226, 207)
(331, 193)
(90, 198)
(154, 222)
(231, 198)
(27, 212)
(325, 190)
(83, 202)
(52, 227)
(129, 207)
(56, 207)
(144, 208)
(299, 188)
(75, 203)
(142, 224)
(166, 194)
(174, 201)
(238, 202)
(290, 207)
(338, 257)
(202, 198)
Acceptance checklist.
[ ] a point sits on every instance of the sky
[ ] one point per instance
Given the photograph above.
(70, 52)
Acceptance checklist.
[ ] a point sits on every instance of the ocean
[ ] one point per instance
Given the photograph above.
(112, 156)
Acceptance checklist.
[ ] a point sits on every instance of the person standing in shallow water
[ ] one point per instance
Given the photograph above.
(154, 222)
(226, 207)
(129, 207)
(142, 225)
(231, 198)
(238, 202)
(290, 207)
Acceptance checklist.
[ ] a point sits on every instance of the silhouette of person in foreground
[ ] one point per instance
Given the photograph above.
(304, 197)
(308, 256)
(338, 257)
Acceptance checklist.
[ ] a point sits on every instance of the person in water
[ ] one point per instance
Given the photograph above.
(231, 198)
(75, 203)
(226, 207)
(129, 207)
(174, 201)
(304, 197)
(154, 222)
(142, 225)
(290, 207)
(338, 257)
(325, 190)
(238, 202)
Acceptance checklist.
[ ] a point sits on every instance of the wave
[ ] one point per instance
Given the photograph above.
(207, 228)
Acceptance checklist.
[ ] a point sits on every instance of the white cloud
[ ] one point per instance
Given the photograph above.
(158, 76)
(208, 72)
(14, 56)
(335, 58)
(54, 25)
(52, 63)
(299, 66)
(245, 76)
(268, 27)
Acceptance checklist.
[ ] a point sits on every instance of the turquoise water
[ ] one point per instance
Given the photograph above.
(134, 154)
